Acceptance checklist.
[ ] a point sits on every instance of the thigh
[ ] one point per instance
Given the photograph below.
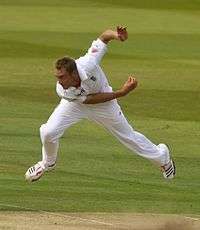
(65, 115)
(112, 118)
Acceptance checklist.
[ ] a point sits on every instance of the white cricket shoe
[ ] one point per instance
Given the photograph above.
(36, 171)
(168, 170)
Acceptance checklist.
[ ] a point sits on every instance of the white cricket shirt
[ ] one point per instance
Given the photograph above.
(93, 79)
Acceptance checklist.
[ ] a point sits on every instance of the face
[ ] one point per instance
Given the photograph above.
(64, 78)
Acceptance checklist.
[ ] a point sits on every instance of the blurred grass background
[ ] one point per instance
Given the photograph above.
(163, 51)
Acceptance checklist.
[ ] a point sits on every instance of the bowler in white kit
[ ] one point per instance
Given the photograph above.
(85, 93)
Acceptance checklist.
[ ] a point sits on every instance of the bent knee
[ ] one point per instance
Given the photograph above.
(48, 134)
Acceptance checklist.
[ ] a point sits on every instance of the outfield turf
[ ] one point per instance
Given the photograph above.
(95, 173)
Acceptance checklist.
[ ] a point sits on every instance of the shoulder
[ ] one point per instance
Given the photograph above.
(87, 63)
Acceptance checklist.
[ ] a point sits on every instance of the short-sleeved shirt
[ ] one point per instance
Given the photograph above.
(93, 79)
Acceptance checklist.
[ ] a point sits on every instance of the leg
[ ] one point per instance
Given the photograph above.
(113, 119)
(64, 115)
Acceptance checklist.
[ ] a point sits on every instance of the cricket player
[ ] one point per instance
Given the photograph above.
(85, 93)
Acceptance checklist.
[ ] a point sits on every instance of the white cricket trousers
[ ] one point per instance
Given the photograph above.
(107, 114)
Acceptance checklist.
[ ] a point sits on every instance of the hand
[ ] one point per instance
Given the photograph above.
(129, 85)
(122, 33)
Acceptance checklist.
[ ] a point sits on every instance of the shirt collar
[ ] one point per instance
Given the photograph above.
(82, 74)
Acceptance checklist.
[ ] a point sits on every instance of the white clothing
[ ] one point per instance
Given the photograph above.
(93, 79)
(109, 114)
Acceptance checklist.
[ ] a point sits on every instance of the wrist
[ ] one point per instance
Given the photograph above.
(119, 93)
(109, 35)
(115, 35)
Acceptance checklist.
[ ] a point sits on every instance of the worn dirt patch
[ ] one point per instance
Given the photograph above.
(95, 221)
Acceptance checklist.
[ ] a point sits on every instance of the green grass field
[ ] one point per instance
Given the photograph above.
(95, 173)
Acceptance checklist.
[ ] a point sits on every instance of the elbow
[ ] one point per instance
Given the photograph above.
(106, 36)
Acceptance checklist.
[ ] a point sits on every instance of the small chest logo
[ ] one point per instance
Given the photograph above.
(93, 78)
(82, 91)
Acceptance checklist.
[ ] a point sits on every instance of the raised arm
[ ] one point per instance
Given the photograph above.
(129, 85)
(99, 46)
(120, 34)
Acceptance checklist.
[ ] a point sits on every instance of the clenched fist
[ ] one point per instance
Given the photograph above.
(129, 85)
(122, 33)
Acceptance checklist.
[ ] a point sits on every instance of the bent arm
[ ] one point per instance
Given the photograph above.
(99, 46)
(129, 85)
(120, 34)
(102, 97)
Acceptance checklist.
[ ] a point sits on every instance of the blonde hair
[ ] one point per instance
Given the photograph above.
(67, 63)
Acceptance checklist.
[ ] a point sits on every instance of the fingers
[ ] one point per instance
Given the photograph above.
(129, 85)
(122, 33)
(121, 29)
(132, 79)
